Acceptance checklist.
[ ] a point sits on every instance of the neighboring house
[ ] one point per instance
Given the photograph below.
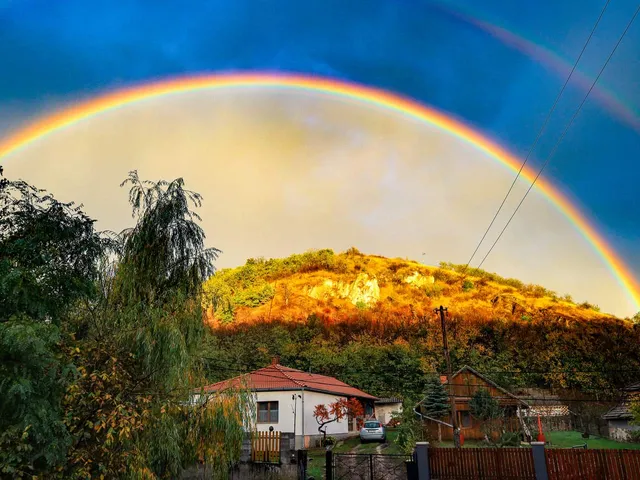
(554, 414)
(286, 398)
(386, 408)
(464, 383)
(619, 417)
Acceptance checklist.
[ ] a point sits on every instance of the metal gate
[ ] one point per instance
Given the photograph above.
(368, 466)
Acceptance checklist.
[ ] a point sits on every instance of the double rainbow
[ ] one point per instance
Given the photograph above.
(82, 111)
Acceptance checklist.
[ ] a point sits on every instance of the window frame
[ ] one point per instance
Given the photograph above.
(270, 411)
(468, 415)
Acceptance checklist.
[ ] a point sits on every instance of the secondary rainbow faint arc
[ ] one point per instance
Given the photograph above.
(71, 115)
(547, 57)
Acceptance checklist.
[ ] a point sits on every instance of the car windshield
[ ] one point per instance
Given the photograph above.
(371, 425)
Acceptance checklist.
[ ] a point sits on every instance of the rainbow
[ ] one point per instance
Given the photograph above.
(72, 115)
(550, 59)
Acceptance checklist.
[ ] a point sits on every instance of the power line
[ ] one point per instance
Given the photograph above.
(564, 132)
(540, 132)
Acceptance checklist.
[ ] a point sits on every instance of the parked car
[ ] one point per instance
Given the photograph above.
(373, 430)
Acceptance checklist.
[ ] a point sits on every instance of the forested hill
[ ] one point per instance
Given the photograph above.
(337, 285)
(369, 320)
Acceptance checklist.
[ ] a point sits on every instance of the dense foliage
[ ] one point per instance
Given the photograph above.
(101, 341)
(518, 335)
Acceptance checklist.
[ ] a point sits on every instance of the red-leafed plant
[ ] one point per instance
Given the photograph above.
(335, 411)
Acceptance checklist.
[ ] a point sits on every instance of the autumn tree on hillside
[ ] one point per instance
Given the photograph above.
(336, 411)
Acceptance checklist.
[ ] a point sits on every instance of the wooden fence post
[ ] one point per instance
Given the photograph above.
(539, 460)
(422, 460)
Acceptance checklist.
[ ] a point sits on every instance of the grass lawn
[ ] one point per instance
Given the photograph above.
(560, 440)
(571, 439)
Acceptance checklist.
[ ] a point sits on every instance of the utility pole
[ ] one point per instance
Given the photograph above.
(452, 398)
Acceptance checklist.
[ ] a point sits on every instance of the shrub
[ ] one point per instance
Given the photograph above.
(254, 296)
(634, 436)
(325, 442)
(535, 291)
(509, 439)
(467, 285)
(360, 305)
(434, 290)
(443, 275)
(589, 306)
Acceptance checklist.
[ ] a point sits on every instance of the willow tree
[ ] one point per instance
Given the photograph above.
(129, 411)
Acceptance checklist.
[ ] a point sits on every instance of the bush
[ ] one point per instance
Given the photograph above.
(326, 442)
(467, 285)
(254, 296)
(634, 436)
(434, 290)
(509, 439)
(535, 291)
(589, 306)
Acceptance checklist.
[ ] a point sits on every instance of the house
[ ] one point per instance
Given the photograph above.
(464, 384)
(386, 408)
(619, 417)
(285, 400)
(554, 414)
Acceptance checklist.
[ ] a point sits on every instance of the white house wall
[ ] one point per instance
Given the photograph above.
(311, 399)
(385, 412)
(285, 411)
(306, 429)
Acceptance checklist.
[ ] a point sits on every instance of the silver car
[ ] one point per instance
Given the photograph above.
(373, 430)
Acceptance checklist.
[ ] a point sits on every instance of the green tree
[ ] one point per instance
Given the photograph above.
(410, 428)
(48, 253)
(635, 411)
(436, 402)
(140, 353)
(486, 409)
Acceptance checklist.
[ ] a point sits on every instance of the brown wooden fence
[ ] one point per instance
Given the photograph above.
(574, 464)
(481, 464)
(265, 447)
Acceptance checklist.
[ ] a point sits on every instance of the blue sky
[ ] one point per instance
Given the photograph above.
(55, 51)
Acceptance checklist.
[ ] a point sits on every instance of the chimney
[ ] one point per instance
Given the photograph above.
(275, 360)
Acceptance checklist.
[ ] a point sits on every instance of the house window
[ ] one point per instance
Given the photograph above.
(267, 412)
(464, 419)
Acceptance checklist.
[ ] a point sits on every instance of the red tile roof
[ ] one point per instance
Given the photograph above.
(276, 377)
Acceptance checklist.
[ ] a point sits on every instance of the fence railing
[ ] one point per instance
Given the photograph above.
(481, 463)
(593, 464)
(265, 447)
(533, 463)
